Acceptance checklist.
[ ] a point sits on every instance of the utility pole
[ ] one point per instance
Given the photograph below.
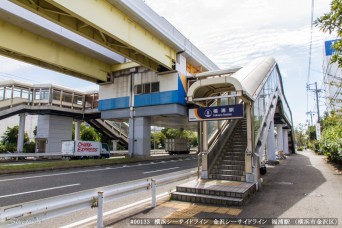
(316, 91)
(310, 113)
(317, 103)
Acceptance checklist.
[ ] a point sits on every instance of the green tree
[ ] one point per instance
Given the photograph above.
(300, 135)
(10, 138)
(332, 23)
(331, 140)
(35, 131)
(171, 133)
(2, 148)
(311, 132)
(159, 138)
(89, 134)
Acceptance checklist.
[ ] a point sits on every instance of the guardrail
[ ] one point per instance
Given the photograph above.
(16, 155)
(37, 155)
(52, 207)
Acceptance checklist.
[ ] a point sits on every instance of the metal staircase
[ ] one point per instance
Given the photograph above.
(226, 180)
(113, 130)
(231, 162)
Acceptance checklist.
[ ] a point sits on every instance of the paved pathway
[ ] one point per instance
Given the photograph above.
(302, 186)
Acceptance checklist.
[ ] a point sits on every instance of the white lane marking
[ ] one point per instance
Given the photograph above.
(75, 172)
(116, 211)
(160, 170)
(39, 190)
(16, 164)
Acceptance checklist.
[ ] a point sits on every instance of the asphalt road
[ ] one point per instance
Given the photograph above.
(19, 188)
(304, 188)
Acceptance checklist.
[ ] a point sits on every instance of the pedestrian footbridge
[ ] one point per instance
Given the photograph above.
(250, 137)
(237, 147)
(148, 74)
(47, 99)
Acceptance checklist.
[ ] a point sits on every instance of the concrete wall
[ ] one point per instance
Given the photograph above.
(54, 129)
(116, 95)
(119, 88)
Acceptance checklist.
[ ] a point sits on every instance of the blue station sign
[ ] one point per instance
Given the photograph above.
(329, 50)
(216, 113)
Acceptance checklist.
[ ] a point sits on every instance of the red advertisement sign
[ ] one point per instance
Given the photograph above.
(87, 147)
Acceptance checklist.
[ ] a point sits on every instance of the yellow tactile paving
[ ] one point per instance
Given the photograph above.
(222, 210)
(218, 182)
(186, 210)
(234, 211)
(176, 205)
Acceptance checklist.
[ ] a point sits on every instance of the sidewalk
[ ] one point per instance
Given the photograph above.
(302, 186)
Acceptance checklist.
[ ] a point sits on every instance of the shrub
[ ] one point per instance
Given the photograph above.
(2, 148)
(30, 147)
(300, 148)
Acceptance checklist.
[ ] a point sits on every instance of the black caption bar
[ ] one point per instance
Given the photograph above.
(236, 221)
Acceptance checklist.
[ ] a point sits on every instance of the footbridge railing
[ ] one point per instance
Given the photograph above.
(18, 97)
(269, 99)
(48, 208)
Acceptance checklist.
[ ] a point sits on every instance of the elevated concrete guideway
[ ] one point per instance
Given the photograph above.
(144, 60)
(157, 78)
(127, 31)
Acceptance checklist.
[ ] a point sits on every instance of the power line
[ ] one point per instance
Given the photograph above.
(310, 49)
(11, 76)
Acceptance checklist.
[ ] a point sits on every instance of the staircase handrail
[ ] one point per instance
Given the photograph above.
(220, 138)
(115, 128)
(120, 126)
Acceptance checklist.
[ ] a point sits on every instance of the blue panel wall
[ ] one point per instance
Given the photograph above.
(113, 103)
(158, 98)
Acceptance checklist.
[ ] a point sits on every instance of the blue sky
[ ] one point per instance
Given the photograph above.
(231, 33)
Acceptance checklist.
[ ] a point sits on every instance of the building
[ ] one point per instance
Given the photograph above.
(332, 79)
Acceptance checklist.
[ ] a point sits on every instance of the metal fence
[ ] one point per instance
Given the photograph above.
(56, 206)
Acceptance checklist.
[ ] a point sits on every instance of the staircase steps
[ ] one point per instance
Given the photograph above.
(227, 177)
(231, 163)
(217, 192)
(226, 184)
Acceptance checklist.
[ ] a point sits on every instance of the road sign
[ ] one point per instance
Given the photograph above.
(216, 113)
(318, 131)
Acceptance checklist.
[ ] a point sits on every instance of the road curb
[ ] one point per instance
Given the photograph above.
(149, 159)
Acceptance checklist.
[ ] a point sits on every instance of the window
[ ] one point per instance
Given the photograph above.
(2, 93)
(154, 87)
(78, 100)
(147, 88)
(56, 95)
(67, 97)
(138, 89)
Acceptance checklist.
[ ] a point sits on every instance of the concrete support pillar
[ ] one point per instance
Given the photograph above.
(286, 141)
(271, 150)
(280, 139)
(139, 137)
(21, 133)
(251, 170)
(204, 133)
(51, 131)
(77, 129)
(115, 145)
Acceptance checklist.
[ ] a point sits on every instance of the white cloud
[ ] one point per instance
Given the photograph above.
(233, 32)
(10, 65)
